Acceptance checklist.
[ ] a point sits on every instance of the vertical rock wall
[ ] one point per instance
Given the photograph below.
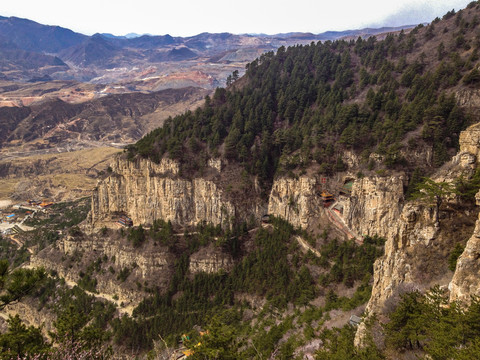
(146, 191)
(416, 247)
(466, 279)
(295, 200)
(374, 205)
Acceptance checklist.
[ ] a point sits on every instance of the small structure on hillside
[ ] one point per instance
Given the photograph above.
(327, 198)
(184, 338)
(347, 188)
(125, 221)
(355, 320)
(266, 219)
(338, 208)
(45, 204)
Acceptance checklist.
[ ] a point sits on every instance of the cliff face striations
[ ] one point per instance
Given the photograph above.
(71, 256)
(417, 248)
(210, 259)
(147, 191)
(375, 203)
(295, 200)
(466, 280)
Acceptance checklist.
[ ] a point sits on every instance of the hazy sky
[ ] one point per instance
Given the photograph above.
(190, 17)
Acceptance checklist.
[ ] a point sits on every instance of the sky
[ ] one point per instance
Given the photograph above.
(191, 17)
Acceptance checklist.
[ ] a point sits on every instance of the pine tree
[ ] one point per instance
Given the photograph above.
(20, 340)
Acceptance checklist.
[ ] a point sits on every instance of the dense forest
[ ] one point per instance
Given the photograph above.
(306, 104)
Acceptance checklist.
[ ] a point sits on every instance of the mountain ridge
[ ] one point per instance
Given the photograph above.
(103, 52)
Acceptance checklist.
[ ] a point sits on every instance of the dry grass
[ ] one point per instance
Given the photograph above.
(7, 188)
(58, 176)
(158, 117)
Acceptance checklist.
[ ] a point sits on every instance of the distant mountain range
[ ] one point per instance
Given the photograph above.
(32, 50)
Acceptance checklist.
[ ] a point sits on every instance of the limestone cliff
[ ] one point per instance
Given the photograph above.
(470, 143)
(466, 279)
(295, 200)
(374, 205)
(410, 256)
(30, 314)
(146, 191)
(151, 264)
(210, 260)
(417, 248)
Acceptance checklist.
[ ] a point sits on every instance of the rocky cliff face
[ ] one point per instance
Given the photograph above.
(295, 200)
(469, 99)
(146, 191)
(466, 280)
(375, 203)
(470, 144)
(376, 207)
(417, 248)
(210, 260)
(150, 264)
(410, 256)
(415, 251)
(31, 315)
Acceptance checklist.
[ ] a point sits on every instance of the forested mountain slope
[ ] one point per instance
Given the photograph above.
(387, 97)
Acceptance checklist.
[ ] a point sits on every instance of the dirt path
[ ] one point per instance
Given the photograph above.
(19, 243)
(306, 246)
(122, 310)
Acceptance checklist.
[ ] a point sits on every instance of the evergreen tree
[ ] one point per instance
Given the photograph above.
(17, 283)
(21, 341)
(434, 193)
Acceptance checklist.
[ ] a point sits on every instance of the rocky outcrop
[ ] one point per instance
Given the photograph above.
(469, 99)
(146, 191)
(210, 260)
(470, 143)
(295, 200)
(350, 159)
(146, 263)
(150, 264)
(31, 315)
(416, 246)
(374, 205)
(466, 281)
(409, 241)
